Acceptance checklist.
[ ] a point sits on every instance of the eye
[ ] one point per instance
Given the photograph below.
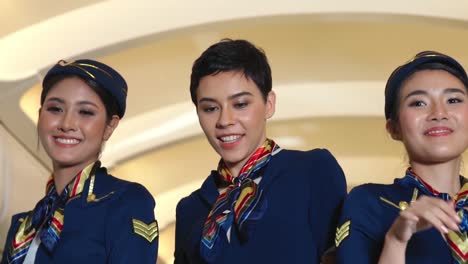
(209, 109)
(417, 104)
(54, 109)
(87, 112)
(241, 105)
(454, 100)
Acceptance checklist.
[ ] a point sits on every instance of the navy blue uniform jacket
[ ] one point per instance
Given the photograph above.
(371, 210)
(101, 231)
(304, 191)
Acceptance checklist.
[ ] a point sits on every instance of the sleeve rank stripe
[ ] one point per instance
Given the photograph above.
(149, 238)
(344, 225)
(143, 225)
(342, 232)
(338, 241)
(148, 232)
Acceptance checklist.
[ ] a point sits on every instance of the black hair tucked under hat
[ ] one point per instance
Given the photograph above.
(400, 74)
(108, 78)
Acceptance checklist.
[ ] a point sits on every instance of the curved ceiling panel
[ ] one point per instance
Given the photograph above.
(20, 14)
(108, 23)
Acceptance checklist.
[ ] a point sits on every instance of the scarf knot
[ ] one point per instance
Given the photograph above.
(47, 218)
(239, 206)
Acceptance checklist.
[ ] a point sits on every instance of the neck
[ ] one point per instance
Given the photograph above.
(234, 169)
(443, 177)
(63, 176)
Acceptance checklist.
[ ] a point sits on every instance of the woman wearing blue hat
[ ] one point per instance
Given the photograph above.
(421, 217)
(87, 215)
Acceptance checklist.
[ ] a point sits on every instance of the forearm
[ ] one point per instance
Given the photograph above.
(393, 251)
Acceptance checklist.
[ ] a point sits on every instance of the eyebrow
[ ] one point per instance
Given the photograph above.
(446, 91)
(87, 103)
(55, 99)
(61, 101)
(455, 90)
(234, 96)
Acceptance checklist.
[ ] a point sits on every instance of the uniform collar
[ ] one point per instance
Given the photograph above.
(98, 187)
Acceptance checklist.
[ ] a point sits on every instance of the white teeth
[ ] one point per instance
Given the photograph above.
(437, 132)
(69, 141)
(229, 139)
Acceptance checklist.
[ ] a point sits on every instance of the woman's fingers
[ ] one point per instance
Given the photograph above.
(434, 212)
(447, 206)
(452, 205)
(409, 215)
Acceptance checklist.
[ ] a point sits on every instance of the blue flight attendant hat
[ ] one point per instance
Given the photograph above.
(108, 78)
(400, 74)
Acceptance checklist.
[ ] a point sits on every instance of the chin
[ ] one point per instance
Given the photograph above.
(64, 163)
(66, 160)
(232, 159)
(438, 158)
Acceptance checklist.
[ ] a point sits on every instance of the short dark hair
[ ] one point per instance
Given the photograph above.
(232, 55)
(107, 99)
(426, 60)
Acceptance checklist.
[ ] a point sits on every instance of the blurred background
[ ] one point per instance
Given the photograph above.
(330, 61)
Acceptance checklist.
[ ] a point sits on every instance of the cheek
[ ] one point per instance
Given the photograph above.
(256, 117)
(43, 135)
(43, 125)
(206, 123)
(408, 121)
(463, 116)
(41, 132)
(94, 129)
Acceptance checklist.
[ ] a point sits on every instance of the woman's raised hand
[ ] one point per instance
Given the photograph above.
(422, 214)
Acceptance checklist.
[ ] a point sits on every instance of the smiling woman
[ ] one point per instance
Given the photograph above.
(108, 219)
(420, 218)
(263, 204)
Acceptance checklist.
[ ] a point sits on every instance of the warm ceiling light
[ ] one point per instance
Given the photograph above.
(29, 102)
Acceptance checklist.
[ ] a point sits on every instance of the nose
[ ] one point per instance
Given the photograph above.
(68, 122)
(226, 118)
(438, 112)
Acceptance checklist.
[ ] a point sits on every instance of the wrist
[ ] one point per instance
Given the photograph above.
(393, 250)
(395, 242)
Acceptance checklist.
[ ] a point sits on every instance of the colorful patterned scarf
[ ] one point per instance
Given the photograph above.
(457, 240)
(48, 216)
(241, 204)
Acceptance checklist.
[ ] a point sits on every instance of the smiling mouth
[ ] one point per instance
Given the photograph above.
(229, 139)
(67, 141)
(438, 132)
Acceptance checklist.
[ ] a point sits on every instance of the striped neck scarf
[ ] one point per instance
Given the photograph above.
(240, 206)
(457, 240)
(47, 216)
